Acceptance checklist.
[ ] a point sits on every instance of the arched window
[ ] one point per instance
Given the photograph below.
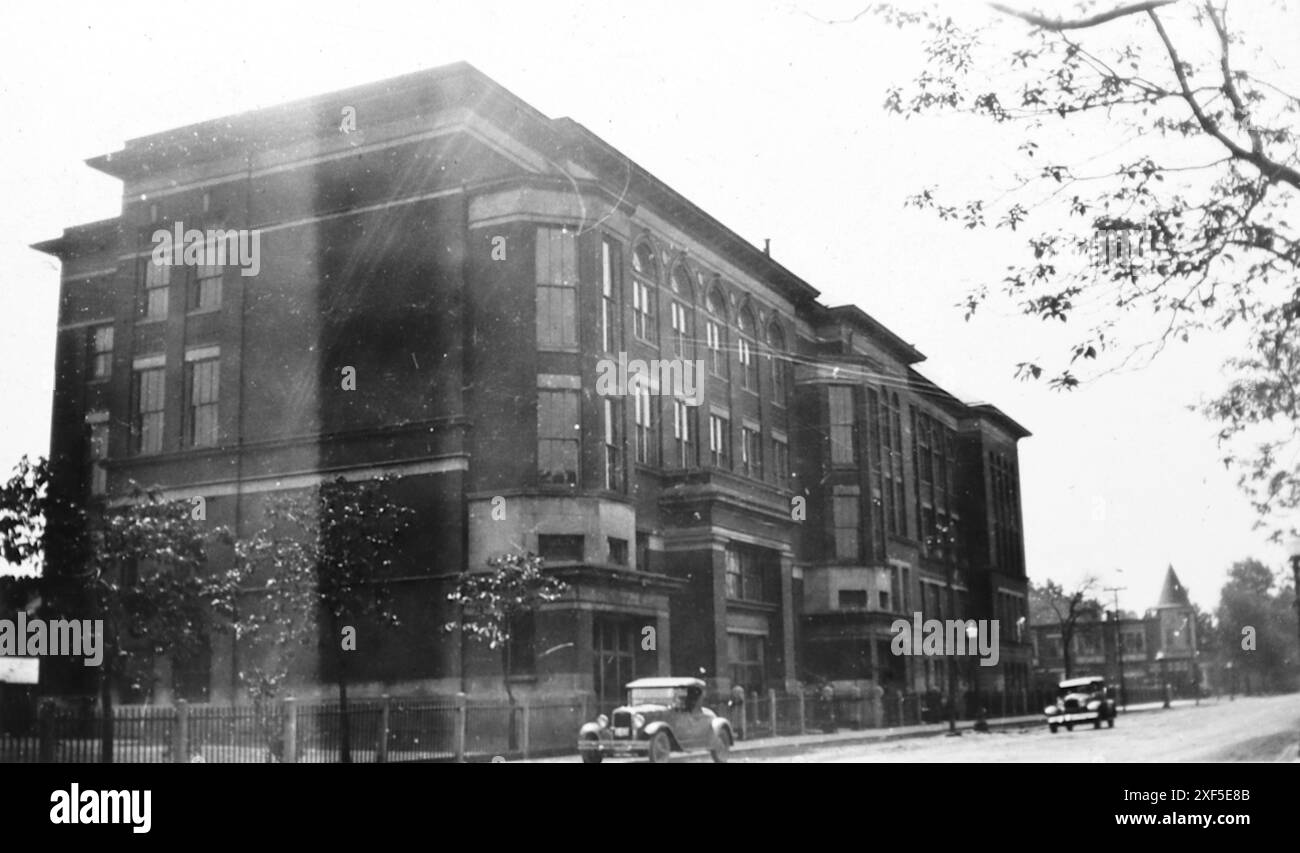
(645, 289)
(745, 343)
(680, 309)
(777, 356)
(715, 332)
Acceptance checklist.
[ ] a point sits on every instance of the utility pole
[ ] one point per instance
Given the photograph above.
(1119, 644)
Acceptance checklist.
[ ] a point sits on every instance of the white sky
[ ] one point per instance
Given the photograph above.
(761, 113)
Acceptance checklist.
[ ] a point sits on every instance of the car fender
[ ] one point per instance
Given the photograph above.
(661, 726)
(720, 725)
(594, 729)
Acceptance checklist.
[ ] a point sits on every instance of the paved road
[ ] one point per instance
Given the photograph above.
(1249, 729)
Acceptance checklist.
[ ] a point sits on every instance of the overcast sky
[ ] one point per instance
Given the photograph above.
(764, 114)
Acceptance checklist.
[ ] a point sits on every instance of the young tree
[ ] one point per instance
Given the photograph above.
(1210, 164)
(1255, 623)
(493, 602)
(1051, 604)
(318, 571)
(141, 568)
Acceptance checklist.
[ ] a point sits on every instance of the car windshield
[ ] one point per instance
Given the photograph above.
(1080, 688)
(653, 696)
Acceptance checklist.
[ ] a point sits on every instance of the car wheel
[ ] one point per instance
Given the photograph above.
(723, 749)
(591, 756)
(1110, 724)
(1053, 727)
(1069, 727)
(1096, 724)
(660, 748)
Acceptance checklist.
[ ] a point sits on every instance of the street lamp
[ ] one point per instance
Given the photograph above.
(1232, 682)
(1293, 553)
(943, 539)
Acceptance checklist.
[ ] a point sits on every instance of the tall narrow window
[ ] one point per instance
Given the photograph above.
(879, 460)
(202, 385)
(610, 257)
(557, 280)
(683, 434)
(98, 452)
(841, 423)
(206, 295)
(846, 511)
(157, 277)
(781, 461)
(643, 417)
(557, 437)
(101, 352)
(147, 425)
(897, 455)
(613, 412)
(683, 346)
(776, 340)
(745, 350)
(645, 286)
(719, 437)
(751, 454)
(715, 334)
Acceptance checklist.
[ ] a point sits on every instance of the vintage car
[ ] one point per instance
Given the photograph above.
(662, 716)
(1081, 700)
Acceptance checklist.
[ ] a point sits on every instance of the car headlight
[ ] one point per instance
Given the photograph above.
(1094, 705)
(637, 721)
(1051, 709)
(602, 721)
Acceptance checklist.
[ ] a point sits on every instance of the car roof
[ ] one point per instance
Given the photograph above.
(1080, 682)
(666, 682)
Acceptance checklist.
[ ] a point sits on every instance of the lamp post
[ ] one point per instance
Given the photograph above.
(1293, 553)
(1119, 643)
(1232, 682)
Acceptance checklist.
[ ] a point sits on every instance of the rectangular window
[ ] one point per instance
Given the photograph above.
(613, 412)
(609, 266)
(846, 511)
(747, 668)
(719, 438)
(560, 548)
(853, 599)
(643, 311)
(101, 352)
(557, 437)
(681, 321)
(643, 552)
(157, 277)
(206, 295)
(643, 417)
(751, 453)
(683, 434)
(617, 550)
(781, 461)
(751, 573)
(717, 350)
(841, 423)
(557, 280)
(748, 366)
(147, 425)
(202, 380)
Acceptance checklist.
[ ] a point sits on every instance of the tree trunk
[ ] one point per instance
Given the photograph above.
(106, 708)
(345, 731)
(512, 739)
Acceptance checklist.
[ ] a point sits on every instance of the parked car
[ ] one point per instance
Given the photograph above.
(1081, 700)
(662, 716)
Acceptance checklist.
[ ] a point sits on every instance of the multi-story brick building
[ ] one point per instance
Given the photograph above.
(437, 287)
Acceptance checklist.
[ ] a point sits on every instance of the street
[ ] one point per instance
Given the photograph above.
(1248, 729)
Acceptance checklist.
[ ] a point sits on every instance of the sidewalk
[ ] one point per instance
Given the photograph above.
(795, 743)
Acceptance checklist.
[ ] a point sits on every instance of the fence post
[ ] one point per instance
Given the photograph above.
(803, 715)
(181, 734)
(527, 720)
(45, 750)
(771, 712)
(289, 750)
(461, 713)
(381, 751)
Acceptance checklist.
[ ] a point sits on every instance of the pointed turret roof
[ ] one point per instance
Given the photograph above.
(1172, 594)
